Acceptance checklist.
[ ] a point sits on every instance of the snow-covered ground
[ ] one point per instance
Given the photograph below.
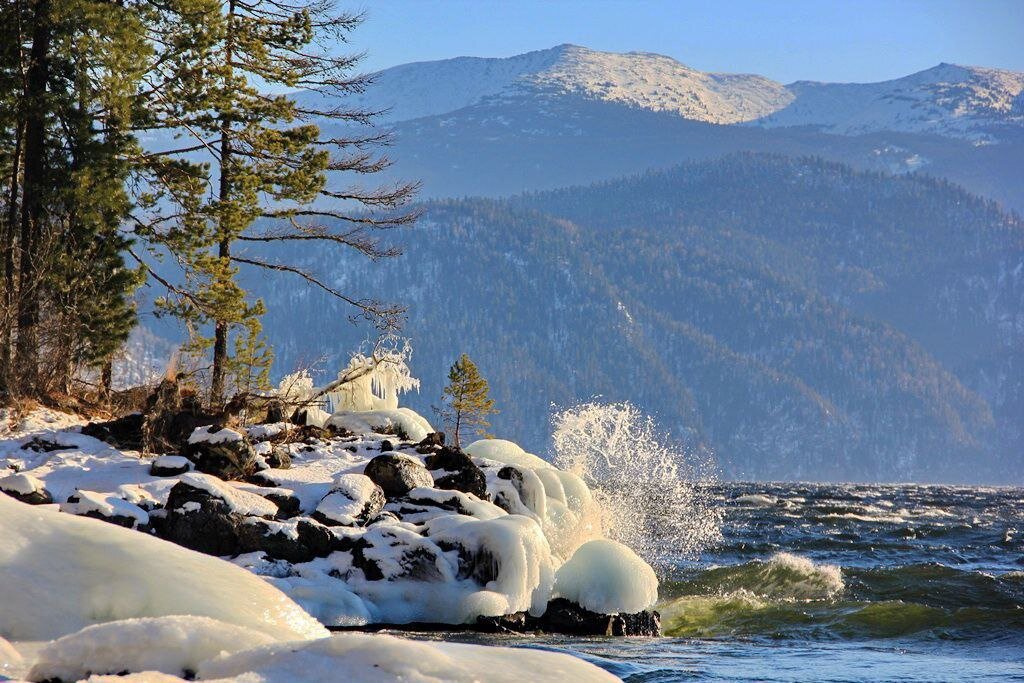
(322, 543)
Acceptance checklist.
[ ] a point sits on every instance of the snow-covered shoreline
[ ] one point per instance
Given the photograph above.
(484, 538)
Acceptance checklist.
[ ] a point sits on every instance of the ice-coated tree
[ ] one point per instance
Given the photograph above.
(276, 173)
(466, 400)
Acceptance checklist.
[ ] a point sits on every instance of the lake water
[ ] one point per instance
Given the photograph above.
(836, 583)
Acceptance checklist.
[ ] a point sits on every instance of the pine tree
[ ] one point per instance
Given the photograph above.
(70, 70)
(272, 164)
(466, 399)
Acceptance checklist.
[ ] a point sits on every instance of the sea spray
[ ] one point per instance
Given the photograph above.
(651, 494)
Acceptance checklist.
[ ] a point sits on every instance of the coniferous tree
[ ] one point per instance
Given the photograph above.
(466, 399)
(272, 165)
(69, 70)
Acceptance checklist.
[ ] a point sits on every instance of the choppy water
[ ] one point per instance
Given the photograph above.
(838, 583)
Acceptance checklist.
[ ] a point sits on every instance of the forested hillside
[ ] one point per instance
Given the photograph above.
(801, 319)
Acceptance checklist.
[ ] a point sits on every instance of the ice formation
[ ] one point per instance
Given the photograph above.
(61, 573)
(401, 421)
(607, 577)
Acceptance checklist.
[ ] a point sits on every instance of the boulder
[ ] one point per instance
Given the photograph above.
(124, 433)
(169, 466)
(25, 488)
(221, 452)
(354, 499)
(563, 616)
(462, 474)
(397, 474)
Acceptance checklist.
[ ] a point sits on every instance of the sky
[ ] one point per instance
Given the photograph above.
(787, 40)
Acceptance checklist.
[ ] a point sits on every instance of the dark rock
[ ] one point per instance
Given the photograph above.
(41, 445)
(120, 520)
(512, 474)
(124, 432)
(288, 506)
(230, 459)
(397, 475)
(463, 475)
(35, 498)
(275, 411)
(160, 468)
(432, 439)
(386, 445)
(563, 616)
(280, 458)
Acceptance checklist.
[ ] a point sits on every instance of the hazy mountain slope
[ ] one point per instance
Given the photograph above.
(771, 333)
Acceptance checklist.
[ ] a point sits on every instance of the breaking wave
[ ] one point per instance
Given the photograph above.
(653, 495)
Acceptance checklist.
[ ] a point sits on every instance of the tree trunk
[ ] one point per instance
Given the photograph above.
(220, 330)
(26, 349)
(9, 265)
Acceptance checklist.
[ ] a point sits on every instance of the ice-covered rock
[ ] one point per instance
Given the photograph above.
(506, 452)
(354, 499)
(25, 488)
(107, 507)
(220, 451)
(455, 470)
(607, 577)
(170, 466)
(172, 645)
(401, 422)
(397, 474)
(61, 573)
(383, 659)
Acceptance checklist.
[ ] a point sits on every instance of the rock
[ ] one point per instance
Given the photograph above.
(563, 616)
(221, 452)
(432, 439)
(463, 475)
(25, 488)
(124, 433)
(386, 445)
(170, 466)
(354, 499)
(279, 458)
(198, 520)
(106, 508)
(397, 474)
(288, 506)
(275, 411)
(569, 618)
(41, 445)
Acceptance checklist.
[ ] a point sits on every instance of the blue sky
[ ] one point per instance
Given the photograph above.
(787, 40)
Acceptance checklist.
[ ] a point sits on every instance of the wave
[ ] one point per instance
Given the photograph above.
(790, 596)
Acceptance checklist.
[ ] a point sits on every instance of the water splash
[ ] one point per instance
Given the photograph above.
(653, 495)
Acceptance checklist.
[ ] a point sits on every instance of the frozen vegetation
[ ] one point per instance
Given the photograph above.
(288, 528)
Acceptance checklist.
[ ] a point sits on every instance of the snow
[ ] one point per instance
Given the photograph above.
(500, 450)
(171, 645)
(61, 573)
(607, 577)
(238, 500)
(107, 505)
(263, 432)
(382, 421)
(11, 661)
(211, 435)
(382, 658)
(20, 483)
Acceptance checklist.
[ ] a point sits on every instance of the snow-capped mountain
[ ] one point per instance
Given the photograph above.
(958, 101)
(950, 100)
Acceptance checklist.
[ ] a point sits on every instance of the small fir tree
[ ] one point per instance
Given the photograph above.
(466, 400)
